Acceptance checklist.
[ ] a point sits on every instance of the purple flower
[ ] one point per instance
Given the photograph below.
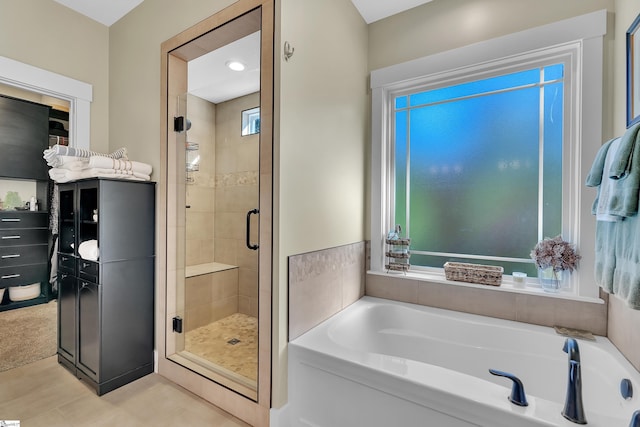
(555, 253)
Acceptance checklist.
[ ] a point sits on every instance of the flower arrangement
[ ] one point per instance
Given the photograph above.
(555, 253)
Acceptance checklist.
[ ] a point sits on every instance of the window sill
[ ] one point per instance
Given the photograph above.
(530, 288)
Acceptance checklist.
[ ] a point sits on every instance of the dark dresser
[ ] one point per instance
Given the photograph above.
(24, 243)
(106, 297)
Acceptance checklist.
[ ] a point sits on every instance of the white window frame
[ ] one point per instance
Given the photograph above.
(582, 38)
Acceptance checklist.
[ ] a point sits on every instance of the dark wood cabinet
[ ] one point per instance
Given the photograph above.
(106, 302)
(24, 243)
(24, 235)
(24, 135)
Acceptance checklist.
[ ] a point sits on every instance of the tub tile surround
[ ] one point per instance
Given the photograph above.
(322, 283)
(539, 310)
(624, 324)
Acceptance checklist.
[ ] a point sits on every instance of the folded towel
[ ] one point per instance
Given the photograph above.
(118, 164)
(51, 155)
(60, 175)
(117, 174)
(622, 194)
(73, 163)
(64, 175)
(89, 250)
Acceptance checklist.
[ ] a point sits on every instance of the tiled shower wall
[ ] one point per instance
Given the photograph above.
(236, 183)
(223, 190)
(201, 192)
(210, 297)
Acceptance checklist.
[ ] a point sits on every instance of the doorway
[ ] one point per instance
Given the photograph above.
(217, 190)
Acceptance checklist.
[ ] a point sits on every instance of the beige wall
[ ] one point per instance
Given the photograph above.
(134, 71)
(322, 143)
(443, 25)
(624, 323)
(47, 35)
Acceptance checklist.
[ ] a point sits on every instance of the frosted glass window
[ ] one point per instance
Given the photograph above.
(478, 168)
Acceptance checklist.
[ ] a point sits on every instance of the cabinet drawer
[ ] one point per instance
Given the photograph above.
(23, 236)
(67, 263)
(88, 270)
(23, 220)
(20, 255)
(23, 275)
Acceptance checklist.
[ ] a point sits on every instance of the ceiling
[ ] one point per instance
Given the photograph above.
(208, 77)
(108, 12)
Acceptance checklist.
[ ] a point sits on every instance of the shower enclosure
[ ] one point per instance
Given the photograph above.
(213, 208)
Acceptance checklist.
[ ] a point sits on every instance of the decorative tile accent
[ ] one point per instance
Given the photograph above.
(322, 283)
(236, 178)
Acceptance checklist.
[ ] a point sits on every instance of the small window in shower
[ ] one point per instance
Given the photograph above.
(251, 121)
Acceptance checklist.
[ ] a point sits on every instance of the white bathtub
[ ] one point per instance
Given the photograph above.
(385, 363)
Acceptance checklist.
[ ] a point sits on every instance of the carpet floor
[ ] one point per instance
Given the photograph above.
(27, 334)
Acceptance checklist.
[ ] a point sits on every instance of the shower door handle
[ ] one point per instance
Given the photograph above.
(249, 245)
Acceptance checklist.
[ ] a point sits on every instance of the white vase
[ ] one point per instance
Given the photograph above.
(550, 280)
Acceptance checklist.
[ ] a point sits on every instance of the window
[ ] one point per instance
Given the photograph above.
(251, 121)
(478, 166)
(558, 70)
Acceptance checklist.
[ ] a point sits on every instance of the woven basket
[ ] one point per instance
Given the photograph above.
(473, 273)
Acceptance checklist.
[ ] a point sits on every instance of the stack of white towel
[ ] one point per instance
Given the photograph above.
(87, 164)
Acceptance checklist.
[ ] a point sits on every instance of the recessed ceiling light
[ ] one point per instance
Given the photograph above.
(235, 65)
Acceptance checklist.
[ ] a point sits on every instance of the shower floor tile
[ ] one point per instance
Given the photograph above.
(231, 342)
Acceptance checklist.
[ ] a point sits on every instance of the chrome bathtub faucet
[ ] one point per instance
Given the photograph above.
(573, 409)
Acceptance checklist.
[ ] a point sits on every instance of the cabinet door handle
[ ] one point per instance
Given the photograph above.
(11, 256)
(10, 276)
(10, 237)
(10, 219)
(86, 265)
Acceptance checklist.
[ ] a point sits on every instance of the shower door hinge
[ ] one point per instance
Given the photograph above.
(177, 324)
(181, 124)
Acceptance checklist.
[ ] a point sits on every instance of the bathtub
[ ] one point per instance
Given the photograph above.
(385, 363)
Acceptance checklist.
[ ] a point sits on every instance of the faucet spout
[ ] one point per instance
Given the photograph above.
(573, 409)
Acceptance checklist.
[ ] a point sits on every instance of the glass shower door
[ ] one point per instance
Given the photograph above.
(215, 330)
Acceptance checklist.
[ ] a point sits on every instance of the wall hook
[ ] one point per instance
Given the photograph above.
(288, 51)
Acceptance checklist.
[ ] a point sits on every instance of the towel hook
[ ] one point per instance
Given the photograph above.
(288, 51)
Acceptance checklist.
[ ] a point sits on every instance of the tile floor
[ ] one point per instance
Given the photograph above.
(211, 342)
(43, 393)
